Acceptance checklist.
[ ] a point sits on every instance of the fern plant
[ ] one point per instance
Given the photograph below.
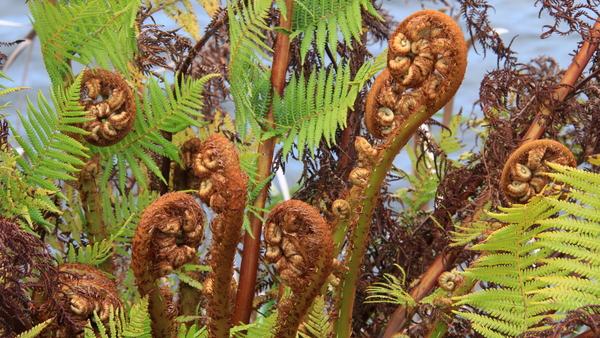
(137, 255)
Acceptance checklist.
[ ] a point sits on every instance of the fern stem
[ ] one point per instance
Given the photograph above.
(91, 203)
(249, 265)
(360, 234)
(580, 61)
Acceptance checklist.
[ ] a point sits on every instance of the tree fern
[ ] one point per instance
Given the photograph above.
(319, 20)
(100, 31)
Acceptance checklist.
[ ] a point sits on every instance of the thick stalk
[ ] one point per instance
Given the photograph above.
(580, 61)
(249, 265)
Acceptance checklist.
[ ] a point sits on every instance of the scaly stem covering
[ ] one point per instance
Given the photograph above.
(223, 187)
(299, 243)
(426, 65)
(166, 237)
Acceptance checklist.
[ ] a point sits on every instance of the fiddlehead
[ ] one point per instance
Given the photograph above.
(448, 281)
(88, 289)
(426, 63)
(523, 174)
(167, 236)
(110, 102)
(299, 243)
(223, 186)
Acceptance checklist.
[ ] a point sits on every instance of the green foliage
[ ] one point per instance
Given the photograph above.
(317, 323)
(48, 153)
(322, 21)
(390, 291)
(524, 281)
(136, 325)
(34, 331)
(97, 32)
(249, 78)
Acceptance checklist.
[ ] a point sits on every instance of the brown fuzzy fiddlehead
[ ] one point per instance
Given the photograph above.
(299, 242)
(426, 63)
(167, 236)
(223, 186)
(84, 289)
(110, 102)
(88, 290)
(523, 174)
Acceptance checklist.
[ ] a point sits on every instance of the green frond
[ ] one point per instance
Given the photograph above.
(527, 281)
(192, 332)
(96, 253)
(34, 331)
(92, 32)
(249, 78)
(48, 154)
(321, 22)
(139, 321)
(189, 280)
(578, 179)
(312, 109)
(260, 328)
(317, 323)
(390, 291)
(123, 212)
(171, 109)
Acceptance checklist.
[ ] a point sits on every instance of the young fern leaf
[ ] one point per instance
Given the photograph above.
(98, 252)
(319, 22)
(34, 331)
(139, 321)
(390, 291)
(96, 31)
(317, 323)
(172, 112)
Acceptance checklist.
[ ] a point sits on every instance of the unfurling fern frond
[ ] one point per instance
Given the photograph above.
(171, 109)
(100, 31)
(319, 21)
(543, 263)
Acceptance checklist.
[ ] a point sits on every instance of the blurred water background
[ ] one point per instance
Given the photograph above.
(521, 18)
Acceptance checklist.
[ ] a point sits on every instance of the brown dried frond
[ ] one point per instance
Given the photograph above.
(475, 13)
(25, 266)
(576, 17)
(159, 48)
